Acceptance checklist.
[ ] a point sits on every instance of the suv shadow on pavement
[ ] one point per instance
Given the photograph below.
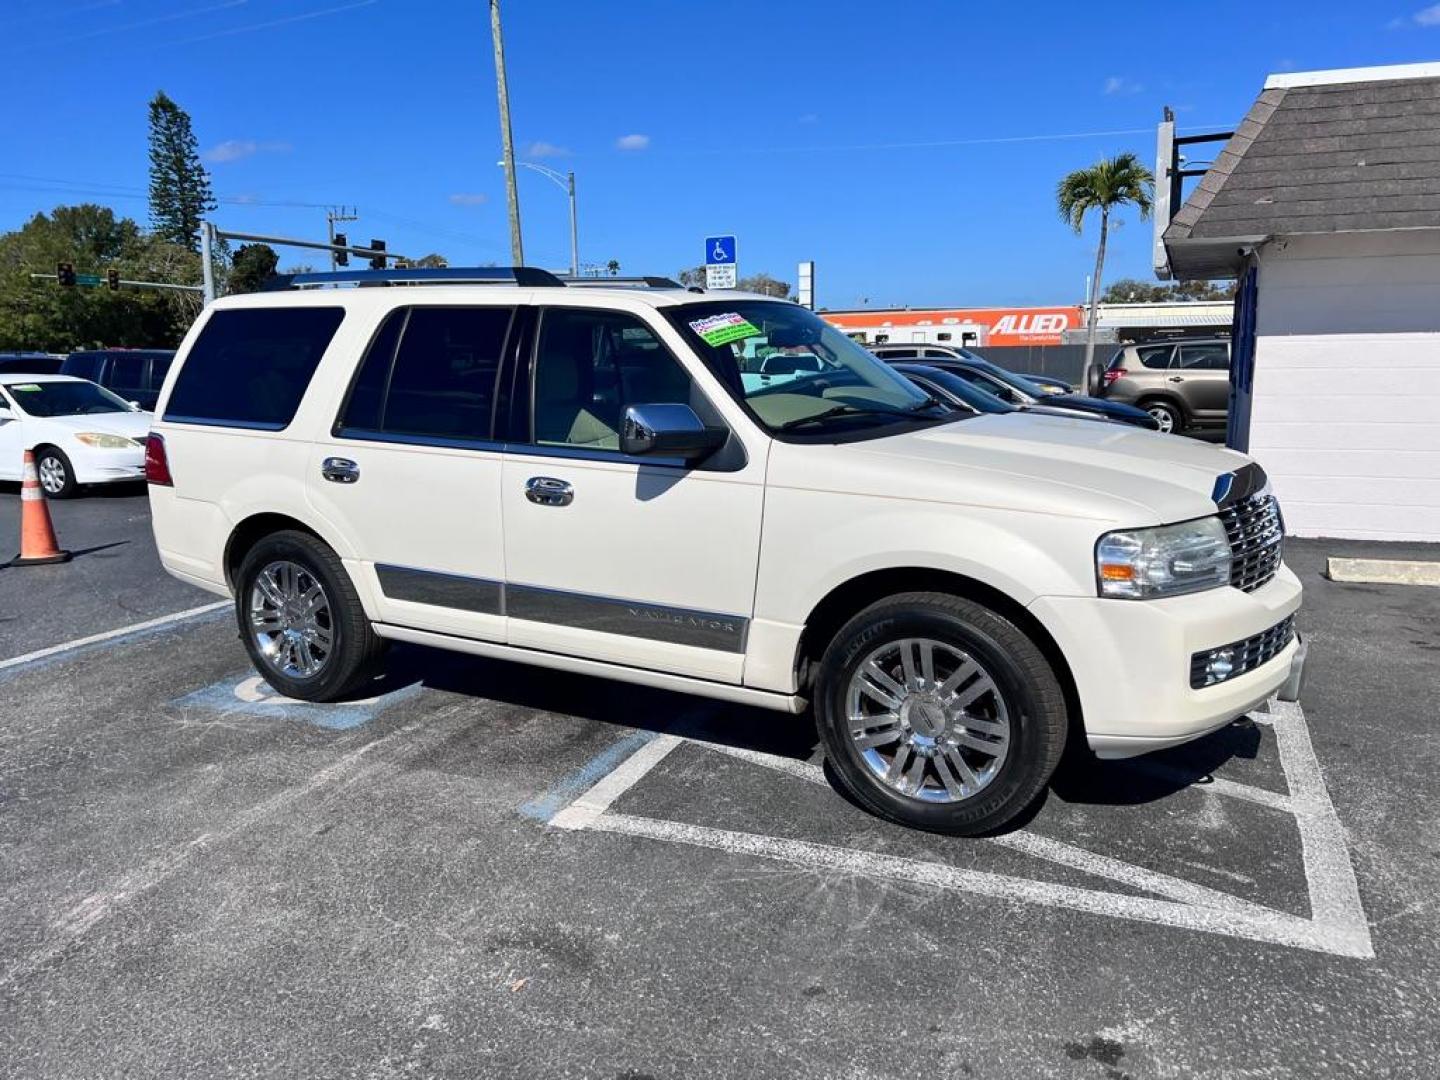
(1081, 778)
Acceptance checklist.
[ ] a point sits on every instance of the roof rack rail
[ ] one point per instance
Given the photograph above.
(529, 276)
(648, 281)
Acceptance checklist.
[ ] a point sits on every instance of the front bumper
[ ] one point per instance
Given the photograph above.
(96, 466)
(1131, 661)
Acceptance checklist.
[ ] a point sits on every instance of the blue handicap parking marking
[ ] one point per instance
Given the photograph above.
(251, 695)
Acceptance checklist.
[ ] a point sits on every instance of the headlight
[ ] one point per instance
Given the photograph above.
(1140, 564)
(104, 441)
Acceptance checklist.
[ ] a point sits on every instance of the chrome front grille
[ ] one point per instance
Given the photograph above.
(1245, 655)
(1256, 537)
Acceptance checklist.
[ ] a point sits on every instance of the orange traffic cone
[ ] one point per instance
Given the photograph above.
(37, 535)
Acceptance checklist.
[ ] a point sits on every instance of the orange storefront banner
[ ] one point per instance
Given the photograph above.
(1004, 326)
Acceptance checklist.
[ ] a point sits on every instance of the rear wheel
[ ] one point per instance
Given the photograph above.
(301, 619)
(57, 475)
(939, 713)
(1165, 415)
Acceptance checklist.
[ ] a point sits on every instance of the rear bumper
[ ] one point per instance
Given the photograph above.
(1131, 661)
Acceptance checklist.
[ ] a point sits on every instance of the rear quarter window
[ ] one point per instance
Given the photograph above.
(1155, 356)
(250, 367)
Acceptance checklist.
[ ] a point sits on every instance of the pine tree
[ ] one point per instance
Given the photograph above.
(180, 194)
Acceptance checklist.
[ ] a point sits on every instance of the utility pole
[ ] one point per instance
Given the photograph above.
(334, 214)
(502, 92)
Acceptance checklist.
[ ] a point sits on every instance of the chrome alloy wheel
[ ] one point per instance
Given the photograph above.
(929, 722)
(52, 474)
(1164, 417)
(290, 620)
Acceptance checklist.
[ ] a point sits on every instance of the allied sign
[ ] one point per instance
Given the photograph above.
(1002, 326)
(720, 270)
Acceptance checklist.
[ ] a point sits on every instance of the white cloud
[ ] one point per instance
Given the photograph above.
(542, 149)
(235, 149)
(1118, 84)
(633, 142)
(808, 118)
(1429, 16)
(469, 198)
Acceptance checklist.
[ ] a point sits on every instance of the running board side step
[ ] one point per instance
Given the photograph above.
(660, 680)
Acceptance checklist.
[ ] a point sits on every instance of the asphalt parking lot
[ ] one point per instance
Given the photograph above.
(488, 870)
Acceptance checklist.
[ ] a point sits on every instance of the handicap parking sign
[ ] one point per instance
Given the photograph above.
(720, 251)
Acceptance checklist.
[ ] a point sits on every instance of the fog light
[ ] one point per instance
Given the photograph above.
(1219, 666)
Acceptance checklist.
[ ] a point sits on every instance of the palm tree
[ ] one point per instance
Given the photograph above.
(1106, 186)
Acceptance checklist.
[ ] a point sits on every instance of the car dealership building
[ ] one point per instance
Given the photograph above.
(1325, 204)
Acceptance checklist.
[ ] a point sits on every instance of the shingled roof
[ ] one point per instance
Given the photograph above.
(1324, 152)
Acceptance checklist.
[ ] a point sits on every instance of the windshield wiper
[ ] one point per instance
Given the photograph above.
(858, 410)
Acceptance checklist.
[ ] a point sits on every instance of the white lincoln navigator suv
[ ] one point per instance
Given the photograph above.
(715, 493)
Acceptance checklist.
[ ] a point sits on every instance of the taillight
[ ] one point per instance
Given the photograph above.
(1114, 375)
(157, 465)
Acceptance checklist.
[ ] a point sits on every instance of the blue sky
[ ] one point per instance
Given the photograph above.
(905, 146)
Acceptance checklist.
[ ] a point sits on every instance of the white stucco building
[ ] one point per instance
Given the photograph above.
(1325, 203)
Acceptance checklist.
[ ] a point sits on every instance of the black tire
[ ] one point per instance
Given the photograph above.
(1033, 699)
(353, 657)
(1168, 416)
(52, 461)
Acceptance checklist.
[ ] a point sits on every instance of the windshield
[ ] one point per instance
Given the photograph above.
(796, 372)
(64, 398)
(975, 397)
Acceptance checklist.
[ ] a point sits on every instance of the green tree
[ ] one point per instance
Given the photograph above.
(39, 314)
(612, 267)
(1106, 187)
(433, 261)
(765, 285)
(180, 194)
(252, 267)
(1131, 291)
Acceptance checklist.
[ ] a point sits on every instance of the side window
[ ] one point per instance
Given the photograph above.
(1155, 356)
(1212, 356)
(430, 372)
(250, 366)
(901, 354)
(127, 375)
(590, 365)
(159, 368)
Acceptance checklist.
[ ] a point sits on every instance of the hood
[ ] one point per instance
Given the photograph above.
(1048, 464)
(133, 425)
(1114, 410)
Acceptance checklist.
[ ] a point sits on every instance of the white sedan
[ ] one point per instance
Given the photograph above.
(81, 433)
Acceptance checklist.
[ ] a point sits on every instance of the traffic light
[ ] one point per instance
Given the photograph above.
(112, 278)
(342, 258)
(378, 262)
(65, 272)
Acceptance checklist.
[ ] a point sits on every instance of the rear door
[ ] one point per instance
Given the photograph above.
(633, 560)
(126, 376)
(410, 471)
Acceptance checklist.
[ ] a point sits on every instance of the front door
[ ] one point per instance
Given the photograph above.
(411, 475)
(630, 560)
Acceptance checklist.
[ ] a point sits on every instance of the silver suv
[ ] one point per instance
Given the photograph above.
(1182, 384)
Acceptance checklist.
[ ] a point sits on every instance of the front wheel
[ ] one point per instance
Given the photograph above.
(57, 475)
(301, 619)
(939, 713)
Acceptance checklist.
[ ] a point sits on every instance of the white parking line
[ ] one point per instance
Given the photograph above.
(1337, 922)
(109, 635)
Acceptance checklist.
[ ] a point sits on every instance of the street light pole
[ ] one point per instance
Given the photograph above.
(566, 183)
(502, 93)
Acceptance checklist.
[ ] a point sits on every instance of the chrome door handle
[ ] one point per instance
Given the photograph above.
(340, 470)
(548, 491)
(1177, 378)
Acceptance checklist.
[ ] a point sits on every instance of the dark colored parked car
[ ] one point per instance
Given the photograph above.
(29, 363)
(1016, 390)
(134, 374)
(961, 393)
(1182, 384)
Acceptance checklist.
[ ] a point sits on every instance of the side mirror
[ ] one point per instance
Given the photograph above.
(5, 413)
(135, 406)
(668, 431)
